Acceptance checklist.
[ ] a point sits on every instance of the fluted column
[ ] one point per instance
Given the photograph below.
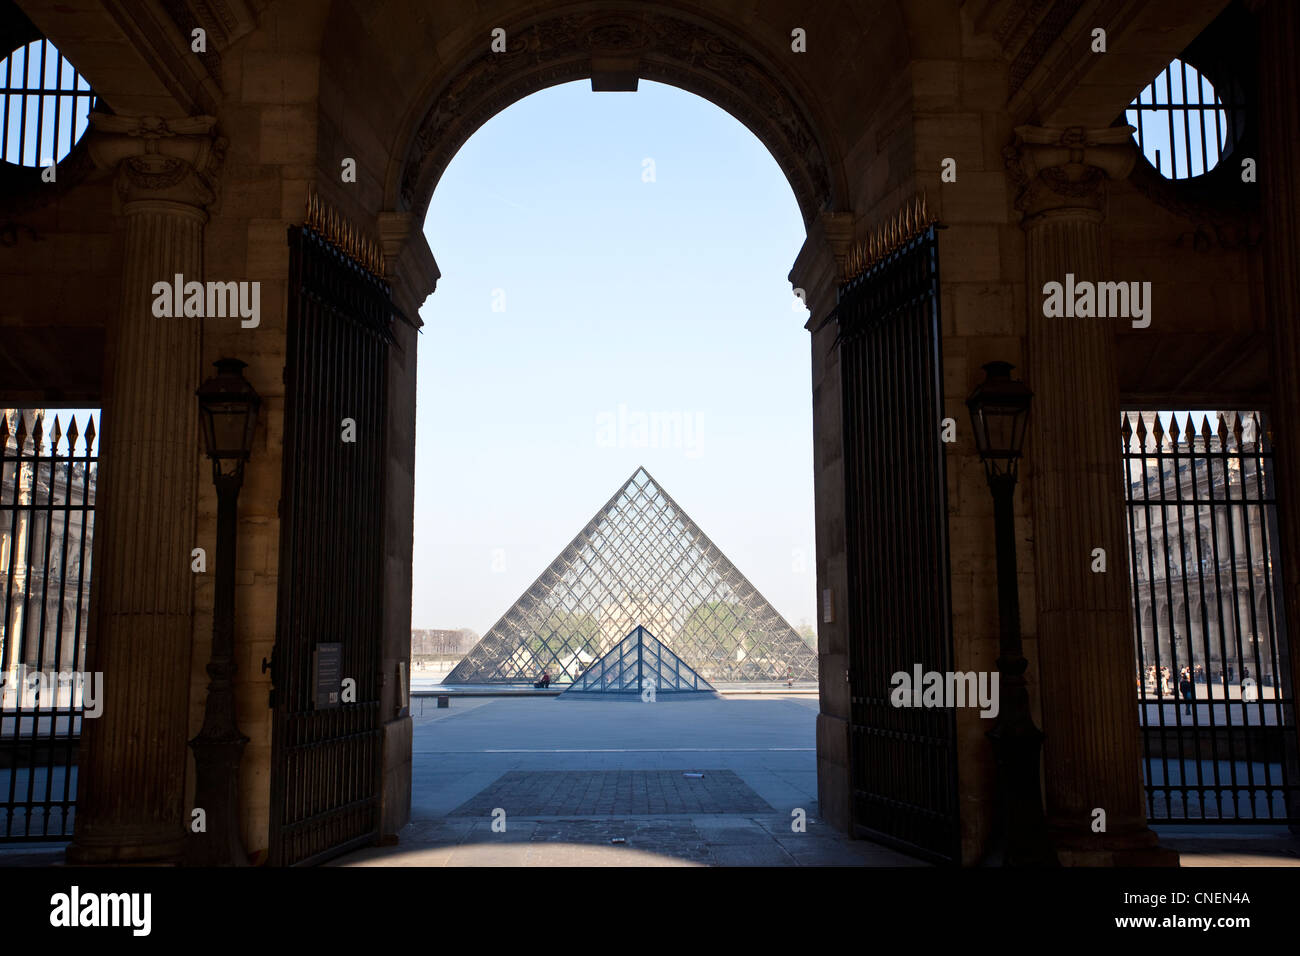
(131, 771)
(1279, 178)
(1091, 753)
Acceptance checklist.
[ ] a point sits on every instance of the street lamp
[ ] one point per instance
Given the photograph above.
(999, 410)
(228, 414)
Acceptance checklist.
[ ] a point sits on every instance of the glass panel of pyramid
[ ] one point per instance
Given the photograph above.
(640, 562)
(636, 663)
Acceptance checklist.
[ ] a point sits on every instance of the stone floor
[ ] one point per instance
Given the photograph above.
(571, 777)
(622, 793)
(687, 840)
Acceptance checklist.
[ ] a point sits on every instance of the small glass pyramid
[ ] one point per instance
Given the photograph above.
(636, 663)
(640, 562)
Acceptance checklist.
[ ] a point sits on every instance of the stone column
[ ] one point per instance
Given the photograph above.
(1091, 752)
(132, 763)
(817, 272)
(1279, 178)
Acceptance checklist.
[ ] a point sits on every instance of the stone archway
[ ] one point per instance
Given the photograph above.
(666, 47)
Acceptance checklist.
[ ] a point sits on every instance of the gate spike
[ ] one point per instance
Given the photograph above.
(4, 430)
(1173, 431)
(90, 433)
(72, 436)
(1236, 428)
(55, 435)
(38, 434)
(1189, 432)
(1158, 432)
(21, 434)
(1142, 432)
(1126, 430)
(1206, 434)
(1223, 433)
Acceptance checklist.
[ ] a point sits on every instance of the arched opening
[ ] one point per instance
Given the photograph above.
(613, 297)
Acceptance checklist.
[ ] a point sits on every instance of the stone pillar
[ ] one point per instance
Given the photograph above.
(133, 759)
(1091, 752)
(412, 273)
(817, 272)
(1279, 178)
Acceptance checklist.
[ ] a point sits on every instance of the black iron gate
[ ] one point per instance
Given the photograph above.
(326, 753)
(904, 775)
(47, 517)
(1215, 700)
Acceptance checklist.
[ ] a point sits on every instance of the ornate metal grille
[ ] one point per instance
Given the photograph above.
(44, 104)
(326, 764)
(904, 771)
(47, 516)
(1216, 705)
(641, 561)
(1184, 122)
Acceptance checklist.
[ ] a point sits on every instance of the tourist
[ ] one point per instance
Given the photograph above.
(1187, 690)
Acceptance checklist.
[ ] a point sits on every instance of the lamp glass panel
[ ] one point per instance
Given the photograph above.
(228, 427)
(1003, 424)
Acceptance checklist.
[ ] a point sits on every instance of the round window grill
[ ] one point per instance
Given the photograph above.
(1183, 125)
(44, 105)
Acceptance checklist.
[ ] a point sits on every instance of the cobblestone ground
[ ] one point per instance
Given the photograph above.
(614, 792)
(706, 840)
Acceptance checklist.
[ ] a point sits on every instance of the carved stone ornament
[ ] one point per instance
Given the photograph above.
(665, 49)
(158, 158)
(1059, 168)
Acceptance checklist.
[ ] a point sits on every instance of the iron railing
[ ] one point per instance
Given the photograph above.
(47, 514)
(903, 760)
(327, 760)
(1216, 705)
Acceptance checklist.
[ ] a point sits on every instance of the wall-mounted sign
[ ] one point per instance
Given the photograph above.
(327, 675)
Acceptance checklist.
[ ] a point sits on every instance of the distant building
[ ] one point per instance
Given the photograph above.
(46, 534)
(432, 643)
(1203, 567)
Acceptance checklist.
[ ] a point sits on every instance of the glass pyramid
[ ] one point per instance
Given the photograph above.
(640, 562)
(635, 663)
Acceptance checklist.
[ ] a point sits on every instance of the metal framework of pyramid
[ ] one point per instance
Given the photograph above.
(639, 662)
(640, 562)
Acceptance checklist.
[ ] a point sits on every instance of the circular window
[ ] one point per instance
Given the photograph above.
(44, 105)
(1181, 123)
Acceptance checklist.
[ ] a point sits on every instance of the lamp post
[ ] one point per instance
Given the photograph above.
(228, 413)
(999, 409)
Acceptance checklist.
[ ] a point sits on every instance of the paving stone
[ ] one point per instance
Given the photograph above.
(613, 792)
(761, 854)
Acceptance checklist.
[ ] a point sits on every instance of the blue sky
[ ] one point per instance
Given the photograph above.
(617, 297)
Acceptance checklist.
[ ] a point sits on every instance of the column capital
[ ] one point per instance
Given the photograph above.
(155, 158)
(1067, 169)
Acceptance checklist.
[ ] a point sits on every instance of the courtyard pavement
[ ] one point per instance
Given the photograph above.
(605, 783)
(613, 783)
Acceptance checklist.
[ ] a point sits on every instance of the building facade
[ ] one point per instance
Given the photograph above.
(217, 122)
